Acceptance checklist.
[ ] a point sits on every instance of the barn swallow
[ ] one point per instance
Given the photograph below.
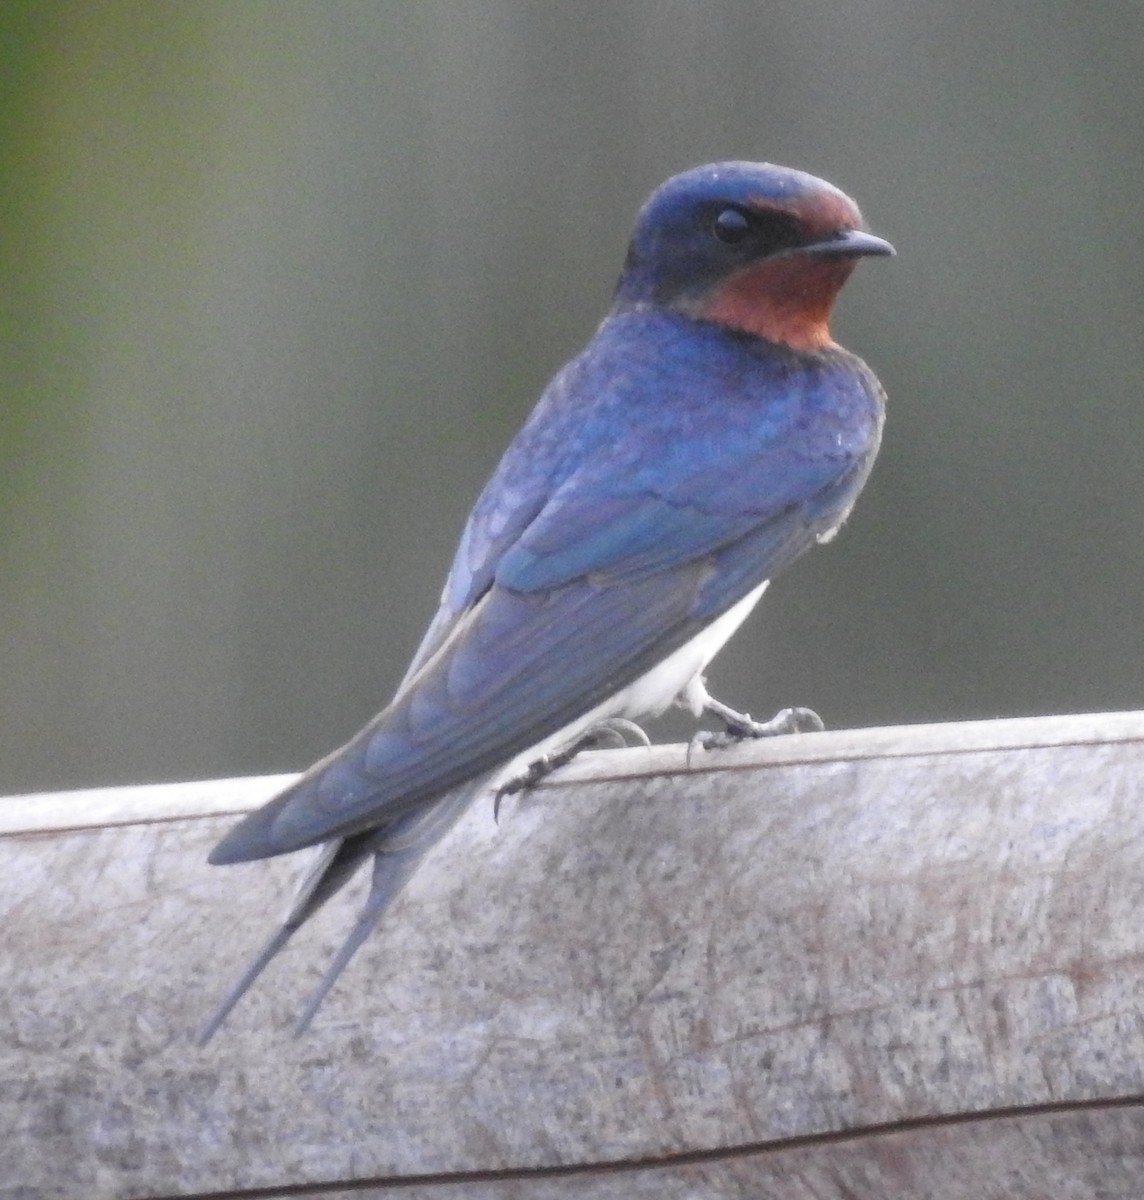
(709, 433)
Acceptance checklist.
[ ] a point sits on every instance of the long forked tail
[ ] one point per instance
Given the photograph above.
(336, 865)
(397, 851)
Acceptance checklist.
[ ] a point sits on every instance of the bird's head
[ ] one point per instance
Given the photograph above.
(759, 248)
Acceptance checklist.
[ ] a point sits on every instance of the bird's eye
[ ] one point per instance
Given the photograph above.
(731, 226)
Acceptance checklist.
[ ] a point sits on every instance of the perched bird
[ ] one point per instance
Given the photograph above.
(709, 433)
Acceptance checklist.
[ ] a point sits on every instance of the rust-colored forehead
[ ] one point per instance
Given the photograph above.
(818, 212)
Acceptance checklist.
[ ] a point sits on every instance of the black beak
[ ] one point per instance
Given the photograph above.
(853, 243)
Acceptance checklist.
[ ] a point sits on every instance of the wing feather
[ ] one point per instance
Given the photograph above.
(602, 543)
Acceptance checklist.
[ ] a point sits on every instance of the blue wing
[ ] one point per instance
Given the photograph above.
(661, 478)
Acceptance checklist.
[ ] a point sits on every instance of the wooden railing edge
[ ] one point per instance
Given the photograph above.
(40, 812)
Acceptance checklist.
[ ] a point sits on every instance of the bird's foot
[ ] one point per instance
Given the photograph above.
(740, 725)
(612, 734)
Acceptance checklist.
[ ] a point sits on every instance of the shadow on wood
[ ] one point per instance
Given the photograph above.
(868, 964)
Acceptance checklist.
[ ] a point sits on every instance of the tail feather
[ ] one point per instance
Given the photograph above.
(397, 852)
(336, 865)
(397, 855)
(390, 873)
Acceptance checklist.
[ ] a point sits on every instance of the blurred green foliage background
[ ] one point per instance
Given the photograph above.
(279, 279)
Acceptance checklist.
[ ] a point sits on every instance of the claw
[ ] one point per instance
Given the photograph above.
(610, 734)
(530, 777)
(697, 741)
(624, 729)
(741, 725)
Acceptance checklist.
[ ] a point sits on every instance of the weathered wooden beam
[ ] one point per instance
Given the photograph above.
(864, 964)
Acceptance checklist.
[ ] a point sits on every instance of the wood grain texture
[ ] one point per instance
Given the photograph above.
(859, 964)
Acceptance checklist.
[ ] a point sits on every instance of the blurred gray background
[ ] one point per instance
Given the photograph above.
(281, 278)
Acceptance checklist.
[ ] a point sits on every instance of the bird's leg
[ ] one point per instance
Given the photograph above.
(737, 725)
(742, 725)
(610, 734)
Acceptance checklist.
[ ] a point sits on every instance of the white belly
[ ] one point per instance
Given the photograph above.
(656, 691)
(678, 677)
